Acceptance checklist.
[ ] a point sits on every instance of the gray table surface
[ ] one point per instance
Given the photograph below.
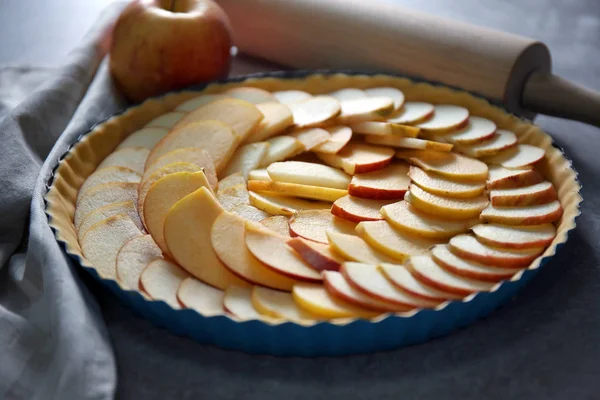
(542, 345)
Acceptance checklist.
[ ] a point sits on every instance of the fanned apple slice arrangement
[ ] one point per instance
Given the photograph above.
(304, 207)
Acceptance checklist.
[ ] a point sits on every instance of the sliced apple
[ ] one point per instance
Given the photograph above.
(260, 174)
(108, 175)
(365, 109)
(314, 111)
(167, 191)
(503, 178)
(338, 288)
(102, 242)
(215, 137)
(353, 248)
(125, 207)
(407, 218)
(450, 165)
(318, 255)
(199, 101)
(401, 277)
(389, 183)
(477, 130)
(241, 116)
(231, 197)
(447, 207)
(348, 94)
(394, 243)
(500, 141)
(531, 215)
(356, 209)
(277, 118)
(384, 129)
(305, 173)
(294, 189)
(288, 206)
(271, 249)
(276, 304)
(166, 121)
(518, 157)
(251, 94)
(391, 92)
(131, 157)
(315, 299)
(230, 181)
(358, 158)
(246, 158)
(199, 296)
(291, 96)
(161, 280)
(278, 224)
(103, 195)
(540, 193)
(145, 137)
(412, 112)
(339, 137)
(426, 270)
(437, 184)
(133, 257)
(250, 213)
(446, 118)
(228, 238)
(315, 224)
(311, 137)
(192, 155)
(467, 268)
(368, 279)
(515, 237)
(281, 148)
(469, 247)
(238, 302)
(408, 143)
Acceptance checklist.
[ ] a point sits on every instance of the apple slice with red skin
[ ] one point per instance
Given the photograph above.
(315, 224)
(518, 157)
(401, 277)
(339, 136)
(469, 247)
(338, 287)
(446, 207)
(412, 113)
(530, 215)
(389, 183)
(199, 296)
(446, 118)
(365, 109)
(441, 186)
(355, 209)
(408, 143)
(318, 255)
(386, 91)
(540, 193)
(501, 140)
(315, 299)
(469, 269)
(314, 111)
(384, 129)
(503, 178)
(476, 130)
(310, 137)
(450, 165)
(358, 158)
(515, 237)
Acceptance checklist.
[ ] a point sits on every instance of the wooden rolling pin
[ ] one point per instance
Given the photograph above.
(368, 35)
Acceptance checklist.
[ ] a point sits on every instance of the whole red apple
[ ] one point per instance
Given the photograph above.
(162, 45)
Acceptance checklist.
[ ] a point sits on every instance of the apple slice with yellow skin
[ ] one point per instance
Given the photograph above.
(450, 165)
(145, 137)
(408, 143)
(515, 237)
(468, 247)
(368, 279)
(438, 185)
(167, 120)
(338, 287)
(401, 278)
(246, 158)
(251, 94)
(231, 181)
(315, 224)
(130, 157)
(277, 118)
(199, 101)
(316, 300)
(260, 174)
(296, 190)
(394, 243)
(447, 207)
(108, 175)
(250, 213)
(231, 197)
(228, 235)
(161, 280)
(291, 96)
(540, 193)
(272, 250)
(503, 178)
(530, 215)
(278, 224)
(192, 155)
(518, 157)
(311, 137)
(469, 269)
(355, 209)
(125, 207)
(187, 233)
(391, 92)
(203, 298)
(305, 173)
(353, 248)
(348, 94)
(446, 118)
(339, 136)
(288, 206)
(384, 129)
(358, 158)
(365, 109)
(167, 191)
(213, 136)
(241, 116)
(281, 148)
(314, 111)
(318, 255)
(133, 257)
(276, 304)
(411, 113)
(403, 216)
(476, 130)
(102, 242)
(389, 183)
(500, 141)
(426, 270)
(238, 302)
(104, 195)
